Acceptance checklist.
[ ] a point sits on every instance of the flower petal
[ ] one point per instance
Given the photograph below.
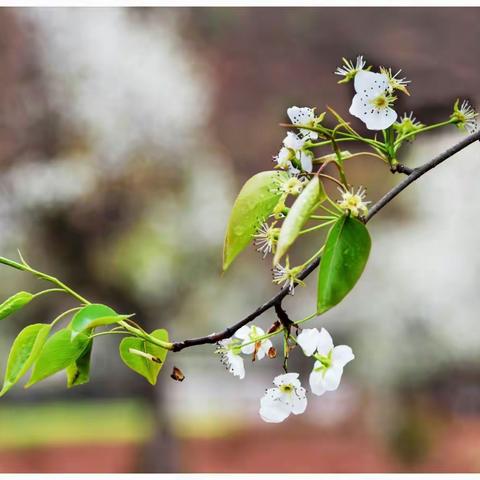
(380, 119)
(293, 141)
(342, 354)
(309, 134)
(332, 377)
(236, 366)
(306, 161)
(300, 115)
(325, 343)
(317, 385)
(272, 410)
(370, 83)
(287, 379)
(308, 340)
(264, 348)
(359, 106)
(248, 349)
(243, 332)
(283, 158)
(299, 401)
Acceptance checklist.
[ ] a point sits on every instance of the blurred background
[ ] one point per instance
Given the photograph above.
(125, 135)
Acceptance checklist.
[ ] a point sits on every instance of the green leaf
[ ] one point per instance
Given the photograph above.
(25, 350)
(254, 204)
(14, 303)
(59, 351)
(143, 366)
(78, 372)
(312, 195)
(344, 259)
(92, 316)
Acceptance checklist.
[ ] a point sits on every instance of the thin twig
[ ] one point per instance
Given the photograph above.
(275, 301)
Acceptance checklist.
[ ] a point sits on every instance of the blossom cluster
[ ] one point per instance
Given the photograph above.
(288, 396)
(373, 102)
(302, 174)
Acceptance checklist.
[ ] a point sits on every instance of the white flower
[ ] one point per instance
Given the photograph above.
(293, 141)
(354, 202)
(283, 158)
(231, 358)
(465, 117)
(349, 70)
(308, 340)
(303, 116)
(328, 368)
(248, 334)
(288, 397)
(371, 103)
(293, 156)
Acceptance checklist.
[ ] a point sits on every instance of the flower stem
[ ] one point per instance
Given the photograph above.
(149, 338)
(317, 227)
(109, 332)
(64, 314)
(324, 217)
(332, 179)
(50, 290)
(26, 268)
(313, 257)
(421, 130)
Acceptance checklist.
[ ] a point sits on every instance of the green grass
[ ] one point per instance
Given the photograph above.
(74, 423)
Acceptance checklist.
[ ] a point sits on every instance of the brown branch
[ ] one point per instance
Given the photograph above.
(283, 316)
(275, 302)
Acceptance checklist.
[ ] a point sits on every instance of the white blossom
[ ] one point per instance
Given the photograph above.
(248, 335)
(283, 158)
(230, 355)
(372, 100)
(293, 155)
(303, 116)
(287, 397)
(330, 360)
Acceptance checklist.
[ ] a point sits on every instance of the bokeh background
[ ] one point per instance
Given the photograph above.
(125, 135)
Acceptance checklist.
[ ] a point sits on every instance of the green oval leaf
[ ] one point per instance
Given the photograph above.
(14, 303)
(25, 350)
(143, 366)
(344, 259)
(59, 351)
(92, 316)
(254, 204)
(312, 195)
(78, 372)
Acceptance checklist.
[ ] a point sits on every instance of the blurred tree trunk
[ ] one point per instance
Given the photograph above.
(72, 254)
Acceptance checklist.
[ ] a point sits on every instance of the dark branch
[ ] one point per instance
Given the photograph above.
(275, 302)
(283, 317)
(419, 171)
(401, 168)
